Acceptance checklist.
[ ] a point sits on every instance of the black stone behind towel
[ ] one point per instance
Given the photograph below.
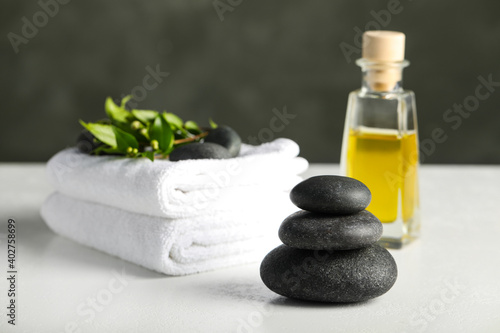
(226, 137)
(197, 151)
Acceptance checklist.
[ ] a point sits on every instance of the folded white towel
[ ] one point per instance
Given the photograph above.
(179, 189)
(174, 247)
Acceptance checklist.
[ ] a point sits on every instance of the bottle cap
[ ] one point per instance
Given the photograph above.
(379, 45)
(385, 52)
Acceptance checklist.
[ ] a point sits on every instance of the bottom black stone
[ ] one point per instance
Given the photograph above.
(329, 276)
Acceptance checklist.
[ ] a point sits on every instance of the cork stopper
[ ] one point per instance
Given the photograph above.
(383, 47)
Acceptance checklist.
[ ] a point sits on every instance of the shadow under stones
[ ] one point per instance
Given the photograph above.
(292, 302)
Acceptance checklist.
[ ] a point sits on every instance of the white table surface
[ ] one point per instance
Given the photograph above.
(449, 280)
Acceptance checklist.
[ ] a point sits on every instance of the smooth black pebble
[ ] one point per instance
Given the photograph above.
(331, 195)
(86, 143)
(197, 151)
(226, 137)
(338, 276)
(313, 231)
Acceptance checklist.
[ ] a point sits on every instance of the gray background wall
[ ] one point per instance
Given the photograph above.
(262, 55)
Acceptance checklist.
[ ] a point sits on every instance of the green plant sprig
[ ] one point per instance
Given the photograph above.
(142, 133)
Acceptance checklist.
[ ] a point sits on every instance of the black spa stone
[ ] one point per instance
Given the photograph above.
(331, 195)
(86, 142)
(329, 276)
(226, 137)
(313, 231)
(197, 151)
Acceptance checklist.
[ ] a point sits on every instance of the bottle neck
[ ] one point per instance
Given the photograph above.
(382, 76)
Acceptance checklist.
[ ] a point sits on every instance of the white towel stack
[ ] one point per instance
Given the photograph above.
(175, 217)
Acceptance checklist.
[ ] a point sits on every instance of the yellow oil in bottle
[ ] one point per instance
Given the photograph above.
(386, 162)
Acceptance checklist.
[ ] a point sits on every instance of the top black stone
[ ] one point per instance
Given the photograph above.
(334, 195)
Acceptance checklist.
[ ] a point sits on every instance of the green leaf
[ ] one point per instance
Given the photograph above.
(106, 150)
(181, 133)
(124, 140)
(160, 131)
(126, 127)
(102, 132)
(125, 100)
(174, 121)
(192, 127)
(145, 116)
(212, 123)
(148, 154)
(115, 112)
(106, 121)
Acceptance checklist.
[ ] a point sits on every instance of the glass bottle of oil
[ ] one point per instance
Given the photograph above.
(380, 145)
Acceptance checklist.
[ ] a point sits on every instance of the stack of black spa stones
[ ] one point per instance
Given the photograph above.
(329, 252)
